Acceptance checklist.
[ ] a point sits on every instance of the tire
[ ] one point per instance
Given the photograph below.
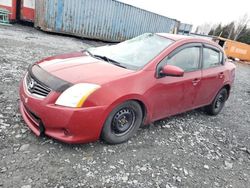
(122, 123)
(218, 103)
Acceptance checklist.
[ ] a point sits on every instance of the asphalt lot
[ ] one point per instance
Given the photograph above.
(187, 150)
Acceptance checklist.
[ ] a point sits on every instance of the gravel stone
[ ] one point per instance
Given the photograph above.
(3, 170)
(24, 147)
(18, 136)
(125, 178)
(185, 172)
(206, 167)
(26, 186)
(228, 165)
(143, 168)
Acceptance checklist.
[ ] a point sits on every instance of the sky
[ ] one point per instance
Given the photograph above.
(196, 12)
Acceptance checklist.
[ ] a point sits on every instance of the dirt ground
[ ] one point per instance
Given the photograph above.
(188, 150)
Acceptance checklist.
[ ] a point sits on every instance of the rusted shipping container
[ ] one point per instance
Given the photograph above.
(27, 12)
(234, 49)
(9, 5)
(107, 20)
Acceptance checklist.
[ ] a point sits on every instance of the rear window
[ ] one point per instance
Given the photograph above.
(211, 58)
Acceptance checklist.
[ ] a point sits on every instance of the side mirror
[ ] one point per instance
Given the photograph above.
(171, 70)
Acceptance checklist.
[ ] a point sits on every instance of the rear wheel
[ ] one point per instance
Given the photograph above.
(218, 103)
(122, 123)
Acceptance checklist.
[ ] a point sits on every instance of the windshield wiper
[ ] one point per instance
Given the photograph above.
(88, 52)
(105, 58)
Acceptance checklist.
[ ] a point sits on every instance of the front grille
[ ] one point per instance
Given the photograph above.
(36, 88)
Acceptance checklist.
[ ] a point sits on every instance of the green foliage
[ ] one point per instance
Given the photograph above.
(218, 30)
(229, 31)
(245, 36)
(211, 32)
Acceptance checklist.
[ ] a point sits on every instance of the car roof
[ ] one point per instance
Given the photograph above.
(176, 37)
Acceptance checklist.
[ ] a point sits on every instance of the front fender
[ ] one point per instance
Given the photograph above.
(135, 97)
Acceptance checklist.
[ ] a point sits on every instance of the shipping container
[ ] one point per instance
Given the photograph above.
(184, 29)
(9, 5)
(27, 12)
(107, 20)
(234, 49)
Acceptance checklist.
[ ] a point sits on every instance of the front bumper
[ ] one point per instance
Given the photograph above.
(70, 125)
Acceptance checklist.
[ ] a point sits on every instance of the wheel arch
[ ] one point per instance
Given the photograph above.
(228, 88)
(134, 97)
(144, 110)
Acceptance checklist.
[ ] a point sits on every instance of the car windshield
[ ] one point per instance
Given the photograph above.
(134, 53)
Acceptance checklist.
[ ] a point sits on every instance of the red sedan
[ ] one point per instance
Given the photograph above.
(109, 92)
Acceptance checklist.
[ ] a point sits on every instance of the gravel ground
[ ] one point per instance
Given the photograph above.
(188, 150)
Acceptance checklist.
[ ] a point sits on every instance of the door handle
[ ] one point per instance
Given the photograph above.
(221, 75)
(196, 81)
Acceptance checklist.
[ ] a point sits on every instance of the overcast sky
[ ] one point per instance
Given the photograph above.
(196, 12)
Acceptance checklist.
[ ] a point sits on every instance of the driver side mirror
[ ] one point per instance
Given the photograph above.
(171, 70)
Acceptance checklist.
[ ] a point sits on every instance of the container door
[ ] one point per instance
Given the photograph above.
(28, 10)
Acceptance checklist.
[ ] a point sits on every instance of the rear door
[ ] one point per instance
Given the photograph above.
(213, 73)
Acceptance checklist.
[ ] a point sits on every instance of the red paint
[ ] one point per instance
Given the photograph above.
(27, 14)
(171, 70)
(161, 97)
(27, 10)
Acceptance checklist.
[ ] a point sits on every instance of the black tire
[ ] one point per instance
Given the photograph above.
(218, 103)
(122, 123)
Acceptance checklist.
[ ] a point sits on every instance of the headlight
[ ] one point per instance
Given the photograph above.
(76, 95)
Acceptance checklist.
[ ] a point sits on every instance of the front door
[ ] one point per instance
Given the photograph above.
(179, 94)
(188, 58)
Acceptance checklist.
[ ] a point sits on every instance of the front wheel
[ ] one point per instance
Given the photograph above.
(122, 123)
(218, 103)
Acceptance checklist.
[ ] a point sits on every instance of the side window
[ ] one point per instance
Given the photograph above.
(211, 58)
(188, 59)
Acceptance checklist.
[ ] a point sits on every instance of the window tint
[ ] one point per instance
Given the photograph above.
(211, 58)
(187, 59)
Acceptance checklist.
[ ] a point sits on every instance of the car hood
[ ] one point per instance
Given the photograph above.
(79, 68)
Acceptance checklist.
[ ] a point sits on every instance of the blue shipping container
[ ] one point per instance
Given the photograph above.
(107, 20)
(184, 29)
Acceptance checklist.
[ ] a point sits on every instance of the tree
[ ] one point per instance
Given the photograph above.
(227, 30)
(218, 30)
(205, 28)
(232, 29)
(211, 32)
(245, 36)
(240, 25)
(197, 29)
(237, 30)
